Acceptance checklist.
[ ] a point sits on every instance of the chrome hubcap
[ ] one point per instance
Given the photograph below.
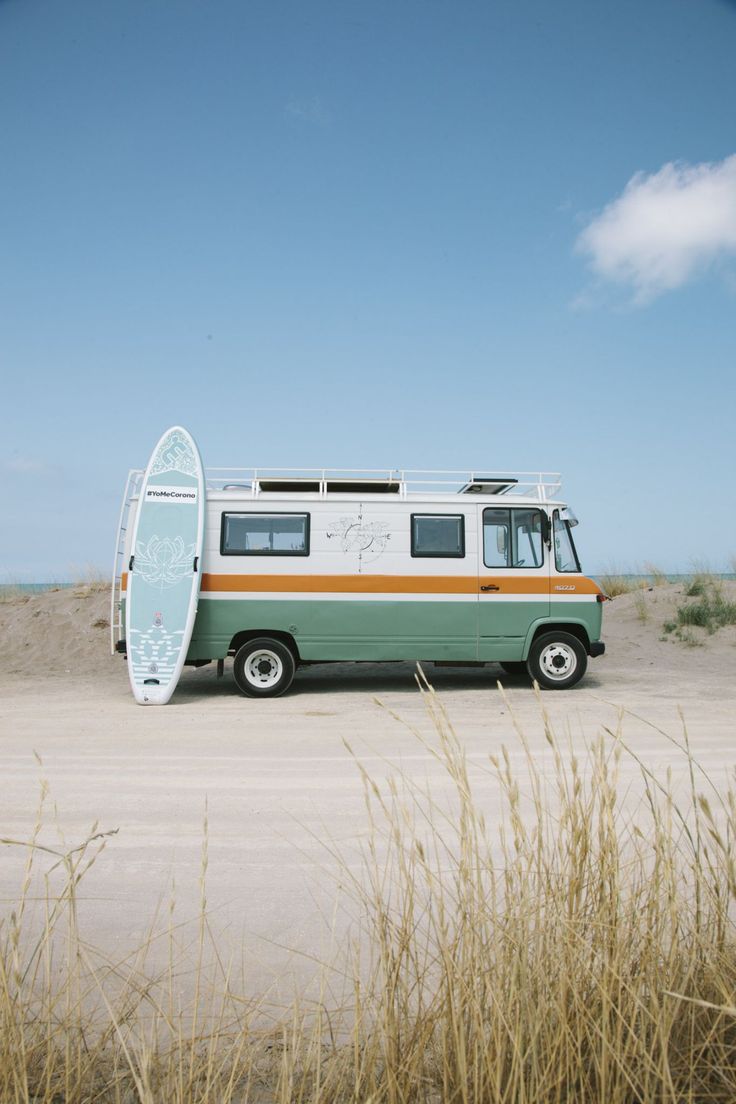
(263, 669)
(558, 661)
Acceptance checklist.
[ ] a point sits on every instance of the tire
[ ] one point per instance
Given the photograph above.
(263, 668)
(557, 660)
(515, 667)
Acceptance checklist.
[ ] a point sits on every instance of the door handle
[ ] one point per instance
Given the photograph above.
(491, 586)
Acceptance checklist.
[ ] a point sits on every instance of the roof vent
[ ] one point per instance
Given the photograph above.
(487, 485)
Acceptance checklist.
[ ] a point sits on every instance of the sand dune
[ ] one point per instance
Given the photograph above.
(57, 632)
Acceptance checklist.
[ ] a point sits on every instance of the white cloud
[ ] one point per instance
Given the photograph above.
(665, 228)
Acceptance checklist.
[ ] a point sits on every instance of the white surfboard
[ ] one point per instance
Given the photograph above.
(162, 586)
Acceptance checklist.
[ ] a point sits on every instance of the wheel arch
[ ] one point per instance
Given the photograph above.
(245, 635)
(574, 627)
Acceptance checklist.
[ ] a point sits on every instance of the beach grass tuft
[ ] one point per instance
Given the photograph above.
(615, 582)
(641, 606)
(656, 577)
(10, 592)
(708, 609)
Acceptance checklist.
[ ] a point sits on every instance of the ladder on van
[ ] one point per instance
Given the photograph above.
(117, 629)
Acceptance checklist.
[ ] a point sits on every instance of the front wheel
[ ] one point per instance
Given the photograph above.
(263, 668)
(557, 660)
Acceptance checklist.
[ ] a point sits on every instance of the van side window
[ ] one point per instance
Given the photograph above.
(264, 535)
(512, 538)
(438, 535)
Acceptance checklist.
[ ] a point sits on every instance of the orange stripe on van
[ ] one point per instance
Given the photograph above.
(390, 584)
(394, 584)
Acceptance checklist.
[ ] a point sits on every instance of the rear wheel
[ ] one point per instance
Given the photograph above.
(263, 668)
(557, 660)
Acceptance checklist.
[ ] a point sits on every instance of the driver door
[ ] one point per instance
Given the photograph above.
(513, 578)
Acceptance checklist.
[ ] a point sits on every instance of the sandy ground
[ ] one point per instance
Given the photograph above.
(279, 784)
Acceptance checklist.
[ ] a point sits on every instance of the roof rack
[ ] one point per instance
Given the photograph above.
(321, 482)
(402, 482)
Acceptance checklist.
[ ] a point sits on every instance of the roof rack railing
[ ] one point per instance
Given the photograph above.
(404, 482)
(542, 486)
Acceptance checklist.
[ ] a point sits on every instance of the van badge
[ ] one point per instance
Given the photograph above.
(565, 588)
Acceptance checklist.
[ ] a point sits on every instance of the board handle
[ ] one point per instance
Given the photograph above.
(196, 563)
(130, 564)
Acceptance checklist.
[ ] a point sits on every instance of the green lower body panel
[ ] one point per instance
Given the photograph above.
(386, 630)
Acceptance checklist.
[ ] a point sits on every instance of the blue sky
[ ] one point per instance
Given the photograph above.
(399, 234)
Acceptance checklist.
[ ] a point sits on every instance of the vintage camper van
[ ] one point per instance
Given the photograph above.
(321, 566)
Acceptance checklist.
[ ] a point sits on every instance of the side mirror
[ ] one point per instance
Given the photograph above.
(567, 515)
(546, 527)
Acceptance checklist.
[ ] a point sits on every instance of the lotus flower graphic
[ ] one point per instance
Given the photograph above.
(163, 562)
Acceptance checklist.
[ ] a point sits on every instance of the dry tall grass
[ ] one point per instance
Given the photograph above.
(11, 592)
(615, 582)
(583, 951)
(89, 579)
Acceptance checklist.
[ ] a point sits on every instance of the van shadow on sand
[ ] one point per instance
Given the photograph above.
(368, 678)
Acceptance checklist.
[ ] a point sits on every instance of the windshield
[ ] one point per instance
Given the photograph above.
(566, 558)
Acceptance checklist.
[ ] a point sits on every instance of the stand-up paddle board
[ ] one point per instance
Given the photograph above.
(163, 571)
